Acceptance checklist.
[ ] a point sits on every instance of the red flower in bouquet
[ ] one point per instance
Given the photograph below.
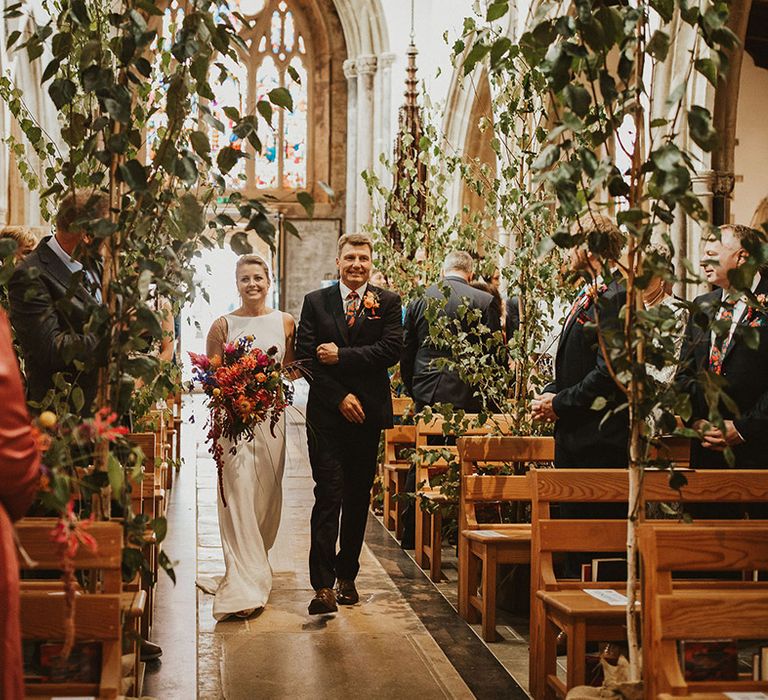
(245, 387)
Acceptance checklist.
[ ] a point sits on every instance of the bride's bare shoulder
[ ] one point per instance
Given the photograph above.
(289, 322)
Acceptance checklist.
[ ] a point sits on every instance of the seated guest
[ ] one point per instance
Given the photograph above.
(585, 437)
(19, 475)
(52, 297)
(379, 279)
(497, 303)
(725, 352)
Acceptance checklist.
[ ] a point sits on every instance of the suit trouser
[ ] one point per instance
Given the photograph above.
(343, 463)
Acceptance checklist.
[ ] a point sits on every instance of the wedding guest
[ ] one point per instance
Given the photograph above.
(497, 303)
(25, 240)
(725, 352)
(53, 294)
(19, 474)
(585, 437)
(426, 382)
(379, 279)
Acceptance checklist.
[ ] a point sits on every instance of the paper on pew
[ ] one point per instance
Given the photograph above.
(746, 696)
(609, 596)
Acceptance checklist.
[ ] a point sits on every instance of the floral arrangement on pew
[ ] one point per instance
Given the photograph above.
(245, 387)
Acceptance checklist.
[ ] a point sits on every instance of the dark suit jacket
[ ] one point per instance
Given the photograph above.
(512, 323)
(366, 351)
(581, 375)
(746, 374)
(49, 309)
(425, 382)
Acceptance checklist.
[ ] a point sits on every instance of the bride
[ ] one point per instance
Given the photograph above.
(253, 475)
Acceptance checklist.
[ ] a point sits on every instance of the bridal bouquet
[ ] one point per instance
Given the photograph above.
(245, 387)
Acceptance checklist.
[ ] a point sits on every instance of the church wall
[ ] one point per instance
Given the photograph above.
(751, 153)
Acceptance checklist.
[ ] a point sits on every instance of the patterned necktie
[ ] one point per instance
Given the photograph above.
(721, 340)
(576, 307)
(353, 304)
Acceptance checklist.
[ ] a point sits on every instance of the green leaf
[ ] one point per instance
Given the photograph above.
(233, 113)
(160, 528)
(294, 74)
(201, 144)
(497, 10)
(500, 47)
(116, 476)
(62, 92)
(134, 174)
(658, 46)
(78, 399)
(265, 110)
(701, 129)
(547, 157)
(227, 158)
(599, 403)
(577, 98)
(280, 97)
(665, 8)
(708, 68)
(307, 202)
(240, 244)
(13, 37)
(477, 53)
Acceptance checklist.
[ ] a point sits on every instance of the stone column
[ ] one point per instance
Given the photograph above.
(350, 73)
(384, 144)
(366, 70)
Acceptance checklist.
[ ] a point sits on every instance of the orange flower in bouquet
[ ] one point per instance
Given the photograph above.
(246, 386)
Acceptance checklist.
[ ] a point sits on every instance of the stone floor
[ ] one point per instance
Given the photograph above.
(404, 640)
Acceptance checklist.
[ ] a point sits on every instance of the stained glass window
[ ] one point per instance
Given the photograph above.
(231, 90)
(283, 161)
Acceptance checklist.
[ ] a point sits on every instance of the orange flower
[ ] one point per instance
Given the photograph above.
(261, 377)
(216, 361)
(368, 302)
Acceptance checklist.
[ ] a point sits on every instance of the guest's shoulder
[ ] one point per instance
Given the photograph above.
(322, 292)
(708, 298)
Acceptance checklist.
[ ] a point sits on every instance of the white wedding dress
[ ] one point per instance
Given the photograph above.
(253, 490)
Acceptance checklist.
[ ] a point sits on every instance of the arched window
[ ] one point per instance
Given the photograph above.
(278, 56)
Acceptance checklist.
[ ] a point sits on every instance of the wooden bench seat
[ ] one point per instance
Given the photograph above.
(429, 519)
(98, 609)
(700, 613)
(399, 441)
(485, 546)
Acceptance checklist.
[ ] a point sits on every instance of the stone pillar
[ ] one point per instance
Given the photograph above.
(350, 73)
(366, 70)
(384, 132)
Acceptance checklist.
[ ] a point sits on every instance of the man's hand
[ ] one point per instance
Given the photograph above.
(352, 409)
(541, 406)
(713, 438)
(328, 354)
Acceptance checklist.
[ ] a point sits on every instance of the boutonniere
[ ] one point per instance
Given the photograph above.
(755, 317)
(371, 304)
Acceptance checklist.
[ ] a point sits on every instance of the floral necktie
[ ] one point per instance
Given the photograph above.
(353, 304)
(722, 340)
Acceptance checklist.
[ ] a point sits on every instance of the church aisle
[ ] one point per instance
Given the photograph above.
(402, 641)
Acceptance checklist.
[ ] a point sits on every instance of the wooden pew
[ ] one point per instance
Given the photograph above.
(429, 522)
(97, 609)
(699, 612)
(395, 465)
(564, 597)
(483, 546)
(558, 604)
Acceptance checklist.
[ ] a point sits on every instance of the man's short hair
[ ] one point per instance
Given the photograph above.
(355, 239)
(749, 238)
(603, 236)
(458, 261)
(80, 206)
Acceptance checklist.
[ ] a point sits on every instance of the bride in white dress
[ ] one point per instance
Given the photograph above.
(253, 475)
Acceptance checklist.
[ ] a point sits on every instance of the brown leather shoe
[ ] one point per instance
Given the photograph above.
(346, 593)
(323, 603)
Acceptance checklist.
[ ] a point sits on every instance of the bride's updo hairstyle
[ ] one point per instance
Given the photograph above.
(253, 259)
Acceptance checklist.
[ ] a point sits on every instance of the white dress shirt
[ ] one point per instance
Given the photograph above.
(738, 312)
(346, 291)
(74, 265)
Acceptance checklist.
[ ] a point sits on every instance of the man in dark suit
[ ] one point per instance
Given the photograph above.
(52, 297)
(585, 437)
(348, 336)
(715, 343)
(424, 380)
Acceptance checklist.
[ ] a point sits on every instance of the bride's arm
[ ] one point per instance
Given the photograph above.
(289, 324)
(217, 338)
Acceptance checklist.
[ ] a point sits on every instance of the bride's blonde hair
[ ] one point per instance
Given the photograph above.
(253, 259)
